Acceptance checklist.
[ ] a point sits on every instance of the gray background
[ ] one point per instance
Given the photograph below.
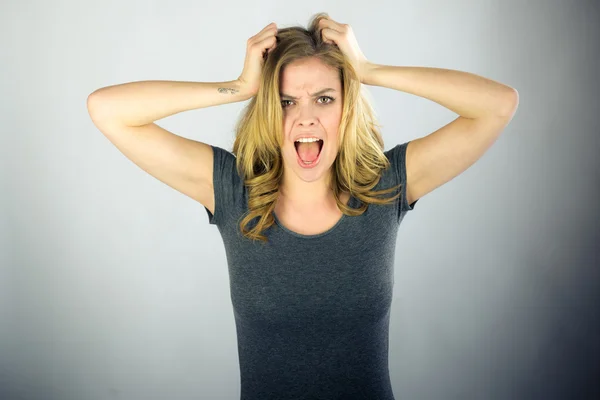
(114, 286)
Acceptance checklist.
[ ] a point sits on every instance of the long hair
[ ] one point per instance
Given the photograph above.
(259, 133)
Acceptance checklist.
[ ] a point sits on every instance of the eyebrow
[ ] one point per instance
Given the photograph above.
(320, 92)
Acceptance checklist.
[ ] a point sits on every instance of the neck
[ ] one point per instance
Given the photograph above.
(306, 194)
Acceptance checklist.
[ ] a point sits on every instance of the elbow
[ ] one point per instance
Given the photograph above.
(510, 104)
(96, 106)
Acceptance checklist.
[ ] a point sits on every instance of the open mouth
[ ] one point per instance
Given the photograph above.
(319, 142)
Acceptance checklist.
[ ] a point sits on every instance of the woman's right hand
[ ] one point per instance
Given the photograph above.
(257, 48)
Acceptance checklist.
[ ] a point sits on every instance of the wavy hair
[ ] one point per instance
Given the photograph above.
(259, 133)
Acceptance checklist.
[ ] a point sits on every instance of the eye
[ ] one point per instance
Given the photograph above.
(329, 100)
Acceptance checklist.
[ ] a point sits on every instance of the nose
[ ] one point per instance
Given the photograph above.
(307, 122)
(307, 117)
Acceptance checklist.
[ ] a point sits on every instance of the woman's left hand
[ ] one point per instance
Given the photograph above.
(342, 36)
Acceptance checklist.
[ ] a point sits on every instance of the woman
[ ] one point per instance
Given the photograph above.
(309, 206)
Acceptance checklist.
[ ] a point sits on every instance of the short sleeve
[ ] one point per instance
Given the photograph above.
(227, 185)
(397, 157)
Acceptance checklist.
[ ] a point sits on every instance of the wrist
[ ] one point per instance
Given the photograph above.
(244, 91)
(368, 71)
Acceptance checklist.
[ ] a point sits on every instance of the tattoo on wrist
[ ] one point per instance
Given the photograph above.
(228, 90)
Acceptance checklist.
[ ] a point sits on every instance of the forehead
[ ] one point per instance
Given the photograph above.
(309, 74)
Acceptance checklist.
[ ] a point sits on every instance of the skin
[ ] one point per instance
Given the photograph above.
(308, 188)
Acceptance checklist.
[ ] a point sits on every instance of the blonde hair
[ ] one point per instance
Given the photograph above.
(360, 161)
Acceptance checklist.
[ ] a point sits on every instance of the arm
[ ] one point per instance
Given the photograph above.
(143, 102)
(125, 114)
(466, 94)
(485, 108)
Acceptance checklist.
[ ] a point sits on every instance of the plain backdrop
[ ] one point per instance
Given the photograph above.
(115, 286)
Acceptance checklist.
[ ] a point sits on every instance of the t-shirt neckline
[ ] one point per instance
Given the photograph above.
(318, 235)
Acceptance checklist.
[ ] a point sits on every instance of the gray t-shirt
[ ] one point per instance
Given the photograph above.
(312, 311)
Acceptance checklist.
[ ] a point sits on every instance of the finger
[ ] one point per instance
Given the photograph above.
(330, 35)
(266, 45)
(329, 23)
(271, 30)
(266, 31)
(272, 24)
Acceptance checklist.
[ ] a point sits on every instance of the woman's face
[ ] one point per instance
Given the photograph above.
(310, 109)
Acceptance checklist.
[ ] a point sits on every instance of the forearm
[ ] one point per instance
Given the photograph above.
(466, 94)
(140, 103)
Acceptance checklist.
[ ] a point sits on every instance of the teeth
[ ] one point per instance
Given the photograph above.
(307, 140)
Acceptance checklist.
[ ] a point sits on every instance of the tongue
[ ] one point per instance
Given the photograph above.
(308, 151)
